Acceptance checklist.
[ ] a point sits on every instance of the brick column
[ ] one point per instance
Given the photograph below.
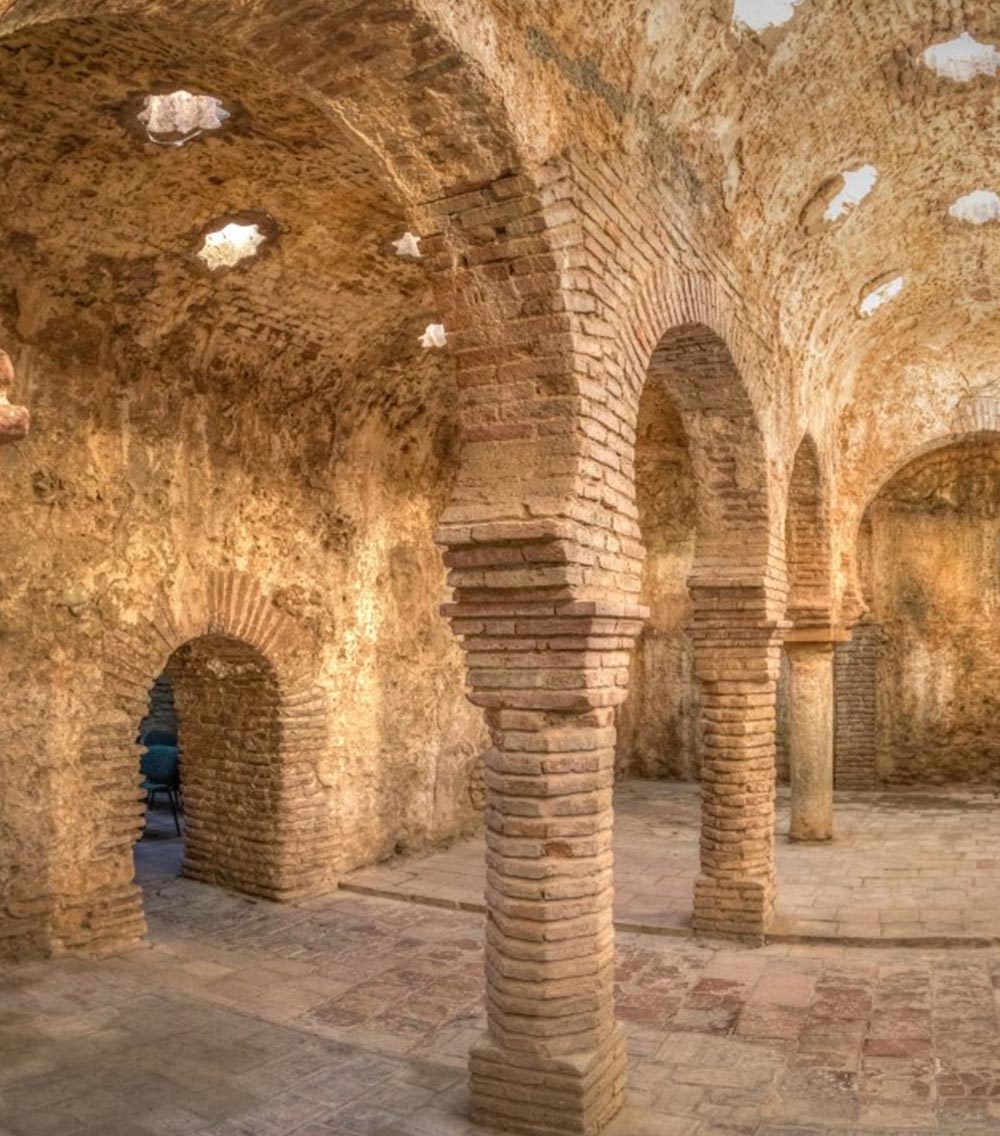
(737, 659)
(810, 732)
(549, 673)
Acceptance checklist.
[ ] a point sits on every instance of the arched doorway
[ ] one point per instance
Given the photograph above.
(658, 728)
(226, 702)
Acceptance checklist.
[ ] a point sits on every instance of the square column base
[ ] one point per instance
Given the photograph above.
(575, 1095)
(733, 908)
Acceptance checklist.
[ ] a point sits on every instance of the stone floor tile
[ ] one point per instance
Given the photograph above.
(378, 1002)
(863, 885)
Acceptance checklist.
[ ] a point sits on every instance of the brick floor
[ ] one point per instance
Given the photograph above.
(904, 865)
(352, 1016)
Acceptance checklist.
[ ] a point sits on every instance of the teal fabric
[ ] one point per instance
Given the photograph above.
(160, 738)
(159, 766)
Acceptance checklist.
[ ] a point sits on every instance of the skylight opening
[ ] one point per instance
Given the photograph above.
(408, 245)
(879, 295)
(977, 208)
(759, 15)
(857, 185)
(434, 336)
(180, 117)
(226, 247)
(963, 59)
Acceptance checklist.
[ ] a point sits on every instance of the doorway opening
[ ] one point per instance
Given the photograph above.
(211, 769)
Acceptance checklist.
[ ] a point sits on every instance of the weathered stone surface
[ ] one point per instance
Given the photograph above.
(652, 411)
(932, 543)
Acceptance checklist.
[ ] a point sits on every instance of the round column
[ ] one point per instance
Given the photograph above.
(810, 739)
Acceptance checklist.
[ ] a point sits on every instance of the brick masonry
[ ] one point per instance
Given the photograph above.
(162, 713)
(855, 706)
(572, 281)
(248, 767)
(545, 570)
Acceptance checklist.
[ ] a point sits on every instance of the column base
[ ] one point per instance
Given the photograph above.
(99, 924)
(576, 1095)
(810, 837)
(733, 908)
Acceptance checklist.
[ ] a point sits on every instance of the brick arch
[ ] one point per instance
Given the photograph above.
(974, 420)
(228, 702)
(683, 336)
(696, 367)
(671, 300)
(236, 609)
(940, 442)
(808, 543)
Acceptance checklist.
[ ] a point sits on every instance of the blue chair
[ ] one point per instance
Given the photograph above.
(161, 774)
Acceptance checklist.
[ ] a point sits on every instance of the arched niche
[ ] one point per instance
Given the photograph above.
(929, 546)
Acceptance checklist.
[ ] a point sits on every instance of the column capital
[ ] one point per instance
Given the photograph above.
(750, 600)
(547, 608)
(546, 653)
(720, 634)
(817, 636)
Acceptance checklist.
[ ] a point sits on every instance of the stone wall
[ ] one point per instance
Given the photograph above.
(932, 576)
(276, 422)
(398, 762)
(162, 714)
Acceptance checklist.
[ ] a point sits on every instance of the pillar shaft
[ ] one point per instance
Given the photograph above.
(810, 739)
(549, 677)
(738, 671)
(553, 1058)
